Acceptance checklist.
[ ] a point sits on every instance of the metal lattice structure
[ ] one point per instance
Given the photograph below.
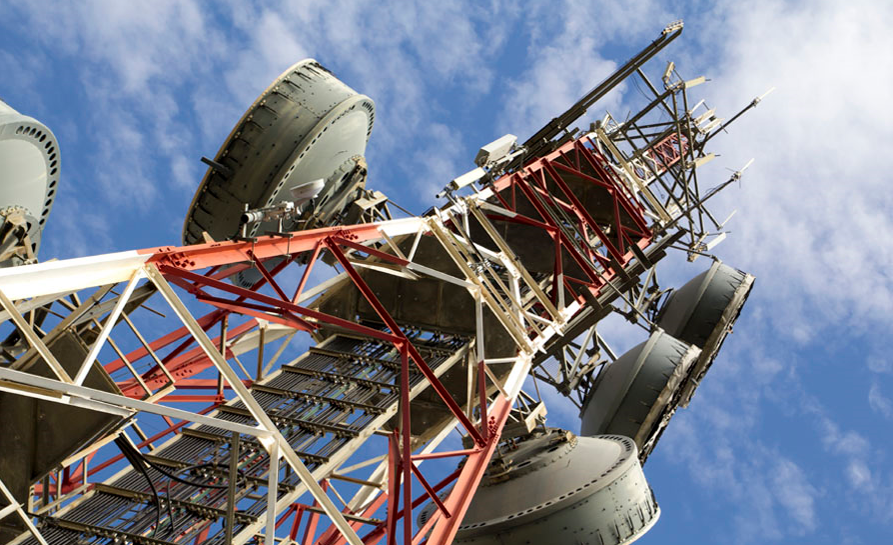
(433, 323)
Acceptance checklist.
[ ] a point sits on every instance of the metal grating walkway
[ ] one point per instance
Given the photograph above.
(320, 402)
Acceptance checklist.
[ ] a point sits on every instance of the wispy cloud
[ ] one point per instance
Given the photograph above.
(436, 161)
(565, 57)
(400, 55)
(879, 361)
(132, 64)
(811, 224)
(813, 207)
(796, 495)
(775, 497)
(880, 403)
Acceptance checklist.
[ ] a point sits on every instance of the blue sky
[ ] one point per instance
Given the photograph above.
(787, 440)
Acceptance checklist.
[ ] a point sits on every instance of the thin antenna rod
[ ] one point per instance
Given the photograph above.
(539, 140)
(722, 127)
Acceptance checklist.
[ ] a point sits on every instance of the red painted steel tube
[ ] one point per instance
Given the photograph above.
(333, 537)
(268, 277)
(306, 275)
(376, 534)
(393, 489)
(406, 432)
(459, 499)
(291, 307)
(299, 514)
(201, 256)
(431, 493)
(310, 529)
(413, 353)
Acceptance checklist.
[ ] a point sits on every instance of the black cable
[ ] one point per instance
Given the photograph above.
(170, 508)
(178, 479)
(128, 451)
(168, 492)
(135, 457)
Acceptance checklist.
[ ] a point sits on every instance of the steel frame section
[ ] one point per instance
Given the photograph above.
(167, 266)
(656, 160)
(626, 161)
(15, 507)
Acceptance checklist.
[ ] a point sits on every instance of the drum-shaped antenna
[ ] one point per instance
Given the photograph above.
(702, 313)
(29, 175)
(637, 394)
(306, 126)
(558, 488)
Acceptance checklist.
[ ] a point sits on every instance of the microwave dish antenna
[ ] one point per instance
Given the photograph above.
(702, 313)
(637, 394)
(306, 126)
(556, 487)
(29, 154)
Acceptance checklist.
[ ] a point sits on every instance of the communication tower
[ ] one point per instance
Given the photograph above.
(426, 324)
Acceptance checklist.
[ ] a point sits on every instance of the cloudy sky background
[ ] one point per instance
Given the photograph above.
(787, 440)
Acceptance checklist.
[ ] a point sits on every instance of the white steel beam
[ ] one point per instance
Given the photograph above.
(30, 304)
(53, 277)
(272, 495)
(35, 341)
(252, 405)
(107, 328)
(18, 509)
(115, 400)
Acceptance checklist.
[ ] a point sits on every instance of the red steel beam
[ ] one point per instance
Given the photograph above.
(402, 339)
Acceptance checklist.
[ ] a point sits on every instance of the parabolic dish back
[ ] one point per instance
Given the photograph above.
(30, 158)
(702, 313)
(555, 487)
(304, 127)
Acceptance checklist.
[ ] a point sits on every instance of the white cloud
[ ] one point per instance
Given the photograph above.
(565, 59)
(812, 223)
(78, 228)
(774, 496)
(869, 484)
(400, 55)
(19, 68)
(121, 145)
(139, 42)
(795, 494)
(183, 172)
(132, 60)
(435, 162)
(859, 474)
(274, 46)
(880, 363)
(814, 209)
(879, 403)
